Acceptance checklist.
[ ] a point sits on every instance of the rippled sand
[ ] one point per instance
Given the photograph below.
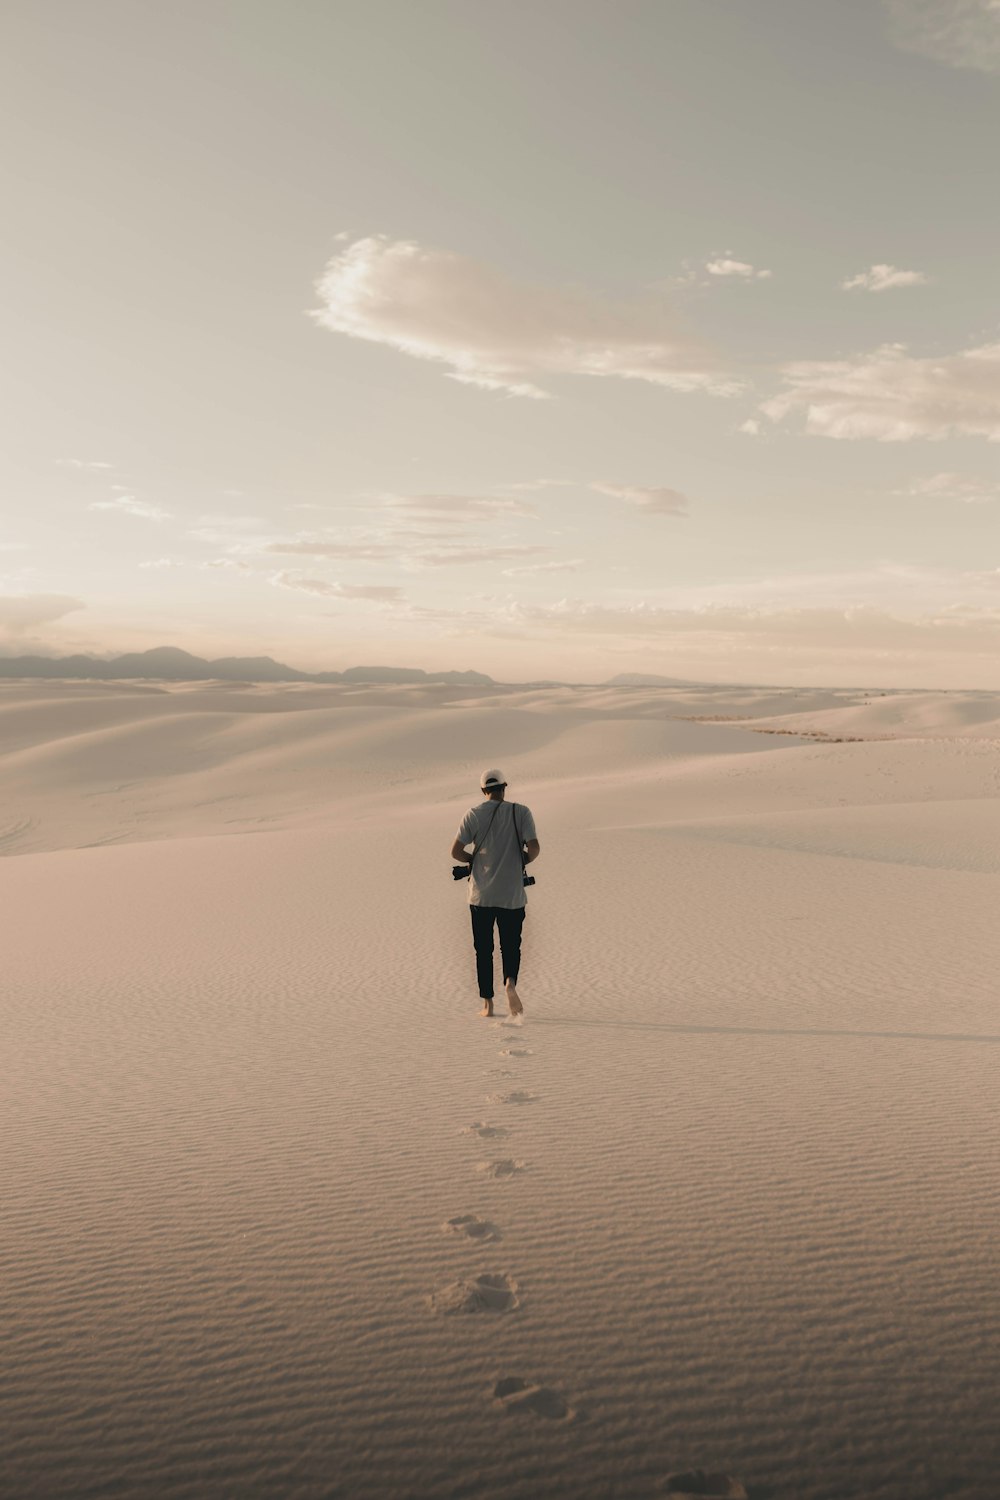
(282, 1216)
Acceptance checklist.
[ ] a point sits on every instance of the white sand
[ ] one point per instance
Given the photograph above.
(284, 1217)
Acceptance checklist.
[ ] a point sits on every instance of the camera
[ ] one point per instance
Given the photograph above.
(462, 872)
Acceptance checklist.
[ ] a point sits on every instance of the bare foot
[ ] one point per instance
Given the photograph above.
(487, 1009)
(513, 999)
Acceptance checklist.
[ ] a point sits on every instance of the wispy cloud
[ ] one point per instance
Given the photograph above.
(162, 562)
(866, 627)
(468, 556)
(569, 565)
(883, 278)
(379, 592)
(960, 33)
(464, 507)
(409, 550)
(497, 334)
(340, 551)
(221, 529)
(893, 396)
(540, 484)
(82, 463)
(724, 265)
(655, 500)
(128, 505)
(235, 563)
(885, 584)
(971, 489)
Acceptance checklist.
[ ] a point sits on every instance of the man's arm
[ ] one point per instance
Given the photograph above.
(532, 850)
(459, 855)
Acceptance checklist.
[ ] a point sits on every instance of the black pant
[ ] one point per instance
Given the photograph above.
(509, 923)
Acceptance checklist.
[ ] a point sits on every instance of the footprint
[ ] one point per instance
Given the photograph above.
(515, 1052)
(473, 1228)
(501, 1170)
(696, 1482)
(496, 1294)
(499, 1073)
(516, 1395)
(485, 1132)
(518, 1096)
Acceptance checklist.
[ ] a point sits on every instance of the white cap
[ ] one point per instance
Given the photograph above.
(492, 778)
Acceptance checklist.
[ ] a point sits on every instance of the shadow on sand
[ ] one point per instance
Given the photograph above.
(678, 1029)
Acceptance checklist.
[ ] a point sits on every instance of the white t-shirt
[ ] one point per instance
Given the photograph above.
(496, 870)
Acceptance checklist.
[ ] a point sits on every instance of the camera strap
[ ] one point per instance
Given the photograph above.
(517, 835)
(482, 839)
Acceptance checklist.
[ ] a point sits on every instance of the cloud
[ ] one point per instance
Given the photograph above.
(464, 507)
(960, 33)
(893, 396)
(751, 427)
(382, 593)
(361, 551)
(741, 269)
(424, 529)
(82, 463)
(657, 500)
(467, 556)
(492, 332)
(162, 562)
(232, 523)
(21, 612)
(735, 627)
(971, 489)
(881, 278)
(884, 584)
(570, 565)
(228, 562)
(131, 507)
(219, 529)
(366, 549)
(540, 484)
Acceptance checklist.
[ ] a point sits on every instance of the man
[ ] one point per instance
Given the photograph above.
(503, 836)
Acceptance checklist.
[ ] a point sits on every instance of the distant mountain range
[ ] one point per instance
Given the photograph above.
(174, 665)
(171, 664)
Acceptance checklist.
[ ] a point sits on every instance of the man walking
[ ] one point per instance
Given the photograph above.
(503, 838)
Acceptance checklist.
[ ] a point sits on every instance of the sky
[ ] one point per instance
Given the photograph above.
(550, 338)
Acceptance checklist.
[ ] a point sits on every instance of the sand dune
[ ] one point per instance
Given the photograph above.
(900, 715)
(123, 762)
(283, 1216)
